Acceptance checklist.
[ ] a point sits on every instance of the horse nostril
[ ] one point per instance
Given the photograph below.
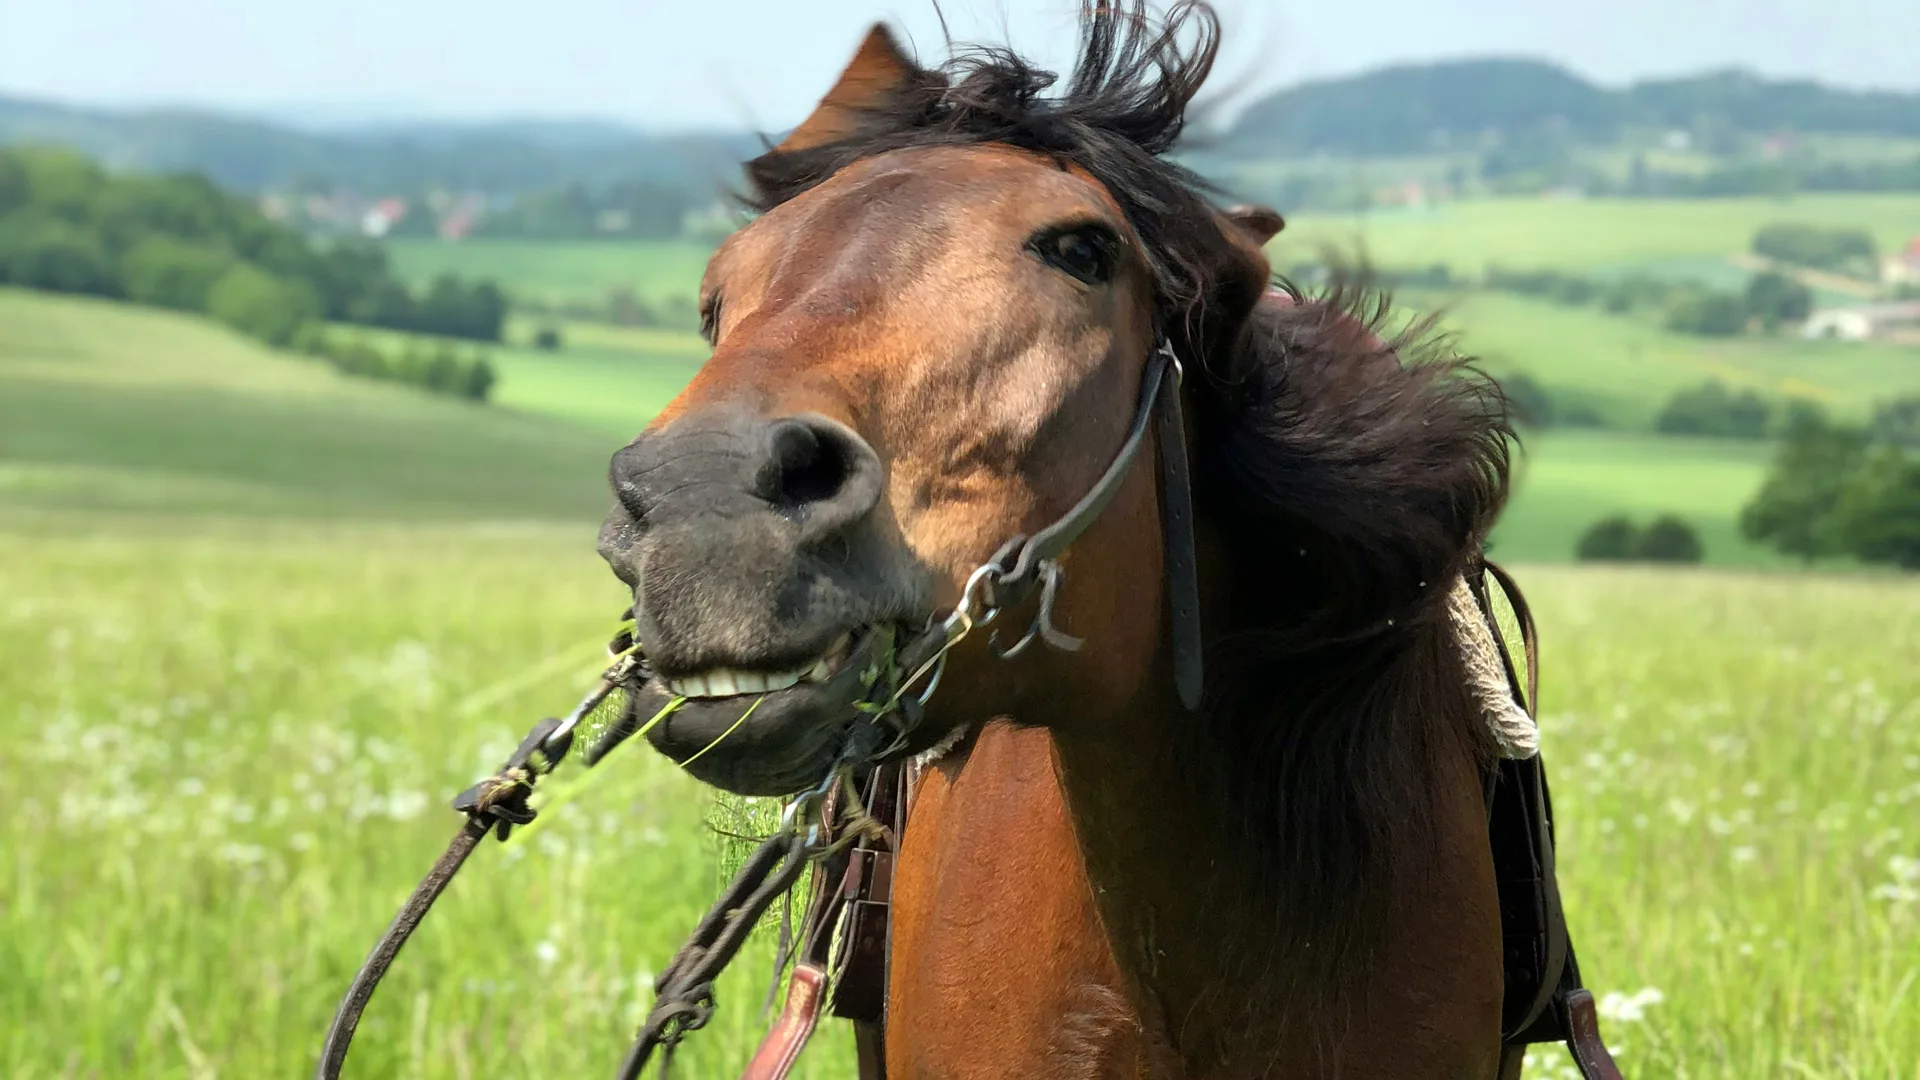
(804, 465)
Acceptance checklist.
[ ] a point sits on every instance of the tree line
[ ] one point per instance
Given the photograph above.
(1844, 490)
(439, 368)
(178, 241)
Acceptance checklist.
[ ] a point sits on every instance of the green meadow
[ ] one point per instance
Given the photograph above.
(1588, 234)
(560, 270)
(234, 747)
(260, 622)
(112, 409)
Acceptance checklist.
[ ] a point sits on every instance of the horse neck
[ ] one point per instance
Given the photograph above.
(1231, 973)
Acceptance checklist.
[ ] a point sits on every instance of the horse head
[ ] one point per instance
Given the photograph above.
(931, 339)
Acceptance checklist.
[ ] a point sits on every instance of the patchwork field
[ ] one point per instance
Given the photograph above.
(106, 408)
(1566, 480)
(1627, 367)
(1588, 234)
(241, 744)
(557, 270)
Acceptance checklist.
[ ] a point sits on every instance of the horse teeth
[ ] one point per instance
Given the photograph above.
(727, 682)
(819, 672)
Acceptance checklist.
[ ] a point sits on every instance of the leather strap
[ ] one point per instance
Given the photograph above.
(1182, 558)
(1050, 543)
(1590, 1054)
(1031, 560)
(848, 909)
(781, 1047)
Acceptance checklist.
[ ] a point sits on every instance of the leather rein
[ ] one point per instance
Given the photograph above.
(847, 827)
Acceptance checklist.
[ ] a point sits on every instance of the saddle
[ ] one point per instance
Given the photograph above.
(841, 965)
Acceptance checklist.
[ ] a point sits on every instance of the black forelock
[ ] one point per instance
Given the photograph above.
(1124, 106)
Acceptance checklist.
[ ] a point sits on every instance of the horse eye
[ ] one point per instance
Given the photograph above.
(1085, 253)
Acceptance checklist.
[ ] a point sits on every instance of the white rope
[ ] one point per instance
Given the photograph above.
(1513, 730)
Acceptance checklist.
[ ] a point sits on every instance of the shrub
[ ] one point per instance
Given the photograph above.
(1774, 298)
(1707, 313)
(360, 359)
(261, 305)
(1669, 539)
(1711, 409)
(480, 379)
(1843, 250)
(547, 338)
(1573, 290)
(1531, 404)
(311, 338)
(1898, 421)
(1793, 510)
(1610, 539)
(1635, 291)
(1877, 517)
(456, 309)
(46, 253)
(1581, 415)
(172, 273)
(443, 372)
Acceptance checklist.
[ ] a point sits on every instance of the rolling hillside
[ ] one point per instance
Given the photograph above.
(111, 408)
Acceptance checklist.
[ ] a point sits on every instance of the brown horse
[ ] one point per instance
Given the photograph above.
(932, 339)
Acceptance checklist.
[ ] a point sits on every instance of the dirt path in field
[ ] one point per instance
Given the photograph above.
(1812, 279)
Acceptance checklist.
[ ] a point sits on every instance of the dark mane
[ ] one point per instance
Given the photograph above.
(1352, 474)
(1125, 105)
(1349, 478)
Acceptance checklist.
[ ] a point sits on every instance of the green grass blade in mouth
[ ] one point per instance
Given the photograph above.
(718, 739)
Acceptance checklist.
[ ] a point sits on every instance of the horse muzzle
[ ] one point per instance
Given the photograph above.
(764, 585)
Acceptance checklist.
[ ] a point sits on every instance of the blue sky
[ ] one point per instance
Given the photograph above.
(760, 63)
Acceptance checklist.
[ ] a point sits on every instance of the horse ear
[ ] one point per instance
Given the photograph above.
(878, 69)
(1240, 274)
(1262, 223)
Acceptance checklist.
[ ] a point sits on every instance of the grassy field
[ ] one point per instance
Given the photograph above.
(195, 420)
(1627, 367)
(1587, 234)
(240, 749)
(560, 270)
(107, 407)
(1567, 480)
(260, 622)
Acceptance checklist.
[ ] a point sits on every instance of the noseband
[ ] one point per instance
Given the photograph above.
(1021, 566)
(1026, 563)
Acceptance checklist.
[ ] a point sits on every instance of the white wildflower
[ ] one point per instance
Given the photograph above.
(1629, 1008)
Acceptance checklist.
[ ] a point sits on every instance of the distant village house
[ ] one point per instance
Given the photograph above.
(1904, 268)
(1867, 322)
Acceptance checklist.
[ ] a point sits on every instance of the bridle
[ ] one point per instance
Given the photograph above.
(830, 821)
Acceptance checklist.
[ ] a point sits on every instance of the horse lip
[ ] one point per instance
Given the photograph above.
(771, 743)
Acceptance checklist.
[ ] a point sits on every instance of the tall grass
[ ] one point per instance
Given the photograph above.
(228, 756)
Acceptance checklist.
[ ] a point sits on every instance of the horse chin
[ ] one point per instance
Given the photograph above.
(775, 742)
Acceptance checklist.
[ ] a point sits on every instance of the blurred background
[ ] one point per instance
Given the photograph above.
(318, 326)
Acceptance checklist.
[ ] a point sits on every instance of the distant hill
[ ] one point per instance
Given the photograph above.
(252, 155)
(1406, 109)
(1417, 108)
